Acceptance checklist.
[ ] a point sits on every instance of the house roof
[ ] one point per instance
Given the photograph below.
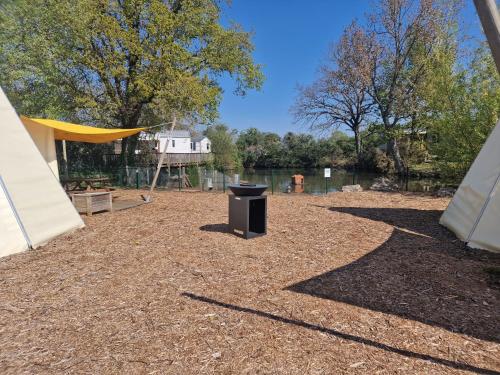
(199, 138)
(175, 134)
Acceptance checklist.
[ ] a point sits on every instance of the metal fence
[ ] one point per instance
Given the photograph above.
(113, 160)
(174, 178)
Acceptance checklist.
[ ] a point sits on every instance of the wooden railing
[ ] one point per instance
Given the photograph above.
(183, 159)
(172, 159)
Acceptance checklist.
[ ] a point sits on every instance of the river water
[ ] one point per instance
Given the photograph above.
(315, 183)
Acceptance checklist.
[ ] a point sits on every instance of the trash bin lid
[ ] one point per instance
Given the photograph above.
(247, 189)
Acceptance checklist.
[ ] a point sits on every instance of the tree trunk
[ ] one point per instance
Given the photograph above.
(393, 146)
(132, 145)
(124, 153)
(357, 140)
(393, 151)
(128, 146)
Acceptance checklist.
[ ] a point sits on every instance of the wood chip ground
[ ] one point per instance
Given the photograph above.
(364, 283)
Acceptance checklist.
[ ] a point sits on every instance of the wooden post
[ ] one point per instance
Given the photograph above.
(160, 161)
(65, 159)
(200, 182)
(168, 164)
(179, 176)
(88, 201)
(110, 202)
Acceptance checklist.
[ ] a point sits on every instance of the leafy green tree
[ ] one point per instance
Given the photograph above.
(223, 147)
(401, 30)
(272, 155)
(463, 108)
(109, 62)
(267, 150)
(343, 150)
(250, 146)
(301, 150)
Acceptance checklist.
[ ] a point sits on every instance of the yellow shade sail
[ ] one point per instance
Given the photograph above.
(81, 133)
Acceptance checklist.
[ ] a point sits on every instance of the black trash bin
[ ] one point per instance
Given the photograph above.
(248, 210)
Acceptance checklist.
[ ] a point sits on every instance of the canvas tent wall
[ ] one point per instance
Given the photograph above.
(44, 141)
(474, 212)
(33, 206)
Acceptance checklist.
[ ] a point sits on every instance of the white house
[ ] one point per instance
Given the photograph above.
(181, 142)
(201, 145)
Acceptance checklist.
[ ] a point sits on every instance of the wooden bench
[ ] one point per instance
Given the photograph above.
(93, 202)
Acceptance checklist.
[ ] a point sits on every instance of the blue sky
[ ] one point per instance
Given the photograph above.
(291, 38)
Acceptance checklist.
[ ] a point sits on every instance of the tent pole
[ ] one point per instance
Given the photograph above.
(160, 161)
(487, 11)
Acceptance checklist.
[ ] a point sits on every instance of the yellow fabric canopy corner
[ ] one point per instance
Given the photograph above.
(81, 133)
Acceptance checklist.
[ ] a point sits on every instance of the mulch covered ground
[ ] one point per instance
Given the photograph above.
(349, 283)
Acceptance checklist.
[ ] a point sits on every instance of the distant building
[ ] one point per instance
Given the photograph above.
(182, 149)
(201, 144)
(181, 143)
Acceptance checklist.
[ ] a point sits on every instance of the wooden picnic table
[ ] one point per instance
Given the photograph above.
(85, 183)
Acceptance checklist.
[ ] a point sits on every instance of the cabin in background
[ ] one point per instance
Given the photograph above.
(181, 142)
(183, 149)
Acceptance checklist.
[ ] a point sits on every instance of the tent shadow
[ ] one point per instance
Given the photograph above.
(425, 276)
(339, 334)
(419, 221)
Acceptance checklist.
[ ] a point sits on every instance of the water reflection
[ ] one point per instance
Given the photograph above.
(297, 188)
(280, 180)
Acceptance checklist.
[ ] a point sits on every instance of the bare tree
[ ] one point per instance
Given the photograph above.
(339, 97)
(402, 36)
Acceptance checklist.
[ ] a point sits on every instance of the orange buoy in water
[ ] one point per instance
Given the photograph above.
(297, 179)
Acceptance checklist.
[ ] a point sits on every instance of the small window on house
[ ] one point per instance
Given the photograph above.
(208, 146)
(193, 146)
(173, 142)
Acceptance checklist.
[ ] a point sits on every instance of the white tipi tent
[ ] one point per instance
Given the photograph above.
(474, 212)
(33, 206)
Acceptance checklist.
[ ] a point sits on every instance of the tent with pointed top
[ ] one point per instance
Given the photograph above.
(474, 212)
(33, 206)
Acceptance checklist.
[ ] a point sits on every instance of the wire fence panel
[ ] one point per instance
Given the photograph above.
(173, 178)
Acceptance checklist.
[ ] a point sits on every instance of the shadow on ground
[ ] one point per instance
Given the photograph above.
(427, 276)
(220, 228)
(425, 222)
(341, 335)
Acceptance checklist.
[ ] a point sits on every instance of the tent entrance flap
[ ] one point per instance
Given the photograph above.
(81, 133)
